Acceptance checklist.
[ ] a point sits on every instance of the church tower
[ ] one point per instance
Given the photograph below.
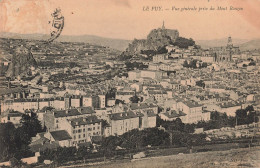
(163, 27)
(229, 44)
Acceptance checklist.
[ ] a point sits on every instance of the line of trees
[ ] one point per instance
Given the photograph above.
(193, 64)
(184, 42)
(133, 65)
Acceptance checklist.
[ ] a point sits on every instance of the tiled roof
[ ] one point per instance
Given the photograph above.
(122, 116)
(66, 113)
(11, 90)
(60, 135)
(135, 106)
(14, 114)
(87, 110)
(84, 121)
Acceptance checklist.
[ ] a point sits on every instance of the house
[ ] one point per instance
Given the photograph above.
(58, 103)
(82, 129)
(172, 115)
(76, 101)
(152, 74)
(53, 119)
(137, 107)
(61, 137)
(124, 95)
(133, 75)
(158, 95)
(12, 116)
(147, 119)
(160, 58)
(122, 122)
(230, 108)
(193, 110)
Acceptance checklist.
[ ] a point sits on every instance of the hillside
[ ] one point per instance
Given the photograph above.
(250, 45)
(156, 39)
(243, 157)
(118, 44)
(219, 42)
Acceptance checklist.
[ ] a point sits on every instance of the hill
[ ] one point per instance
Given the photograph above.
(21, 62)
(219, 42)
(118, 44)
(156, 39)
(250, 45)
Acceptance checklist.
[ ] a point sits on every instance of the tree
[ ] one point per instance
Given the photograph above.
(13, 142)
(30, 124)
(111, 93)
(184, 42)
(185, 64)
(109, 144)
(7, 141)
(200, 83)
(83, 152)
(162, 50)
(134, 99)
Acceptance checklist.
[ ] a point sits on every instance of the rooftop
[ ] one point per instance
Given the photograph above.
(123, 116)
(84, 121)
(60, 135)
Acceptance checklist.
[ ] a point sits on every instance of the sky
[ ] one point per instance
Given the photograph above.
(126, 19)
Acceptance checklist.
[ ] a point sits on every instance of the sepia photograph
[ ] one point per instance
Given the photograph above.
(129, 83)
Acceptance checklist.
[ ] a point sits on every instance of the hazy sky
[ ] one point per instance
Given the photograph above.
(126, 19)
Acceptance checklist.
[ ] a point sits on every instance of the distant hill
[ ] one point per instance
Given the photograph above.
(219, 42)
(118, 44)
(250, 45)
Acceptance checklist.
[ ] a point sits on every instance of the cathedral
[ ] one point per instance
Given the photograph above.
(224, 54)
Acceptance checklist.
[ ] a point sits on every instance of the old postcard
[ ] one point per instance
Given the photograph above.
(129, 83)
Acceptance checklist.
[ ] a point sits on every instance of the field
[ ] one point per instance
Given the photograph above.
(243, 157)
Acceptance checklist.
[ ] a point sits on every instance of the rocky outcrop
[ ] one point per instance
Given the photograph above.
(156, 39)
(21, 63)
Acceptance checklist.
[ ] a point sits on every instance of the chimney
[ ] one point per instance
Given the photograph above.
(67, 111)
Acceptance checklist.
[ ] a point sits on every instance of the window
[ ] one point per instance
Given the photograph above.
(79, 136)
(84, 130)
(83, 135)
(79, 131)
(74, 137)
(98, 127)
(89, 129)
(93, 128)
(74, 131)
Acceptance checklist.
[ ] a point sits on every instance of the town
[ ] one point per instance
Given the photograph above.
(93, 101)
